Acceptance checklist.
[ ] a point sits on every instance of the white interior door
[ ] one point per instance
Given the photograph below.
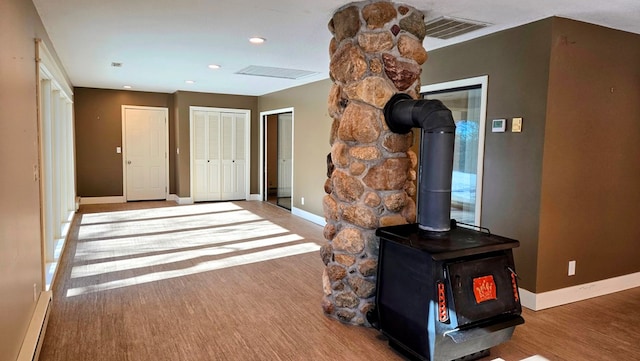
(145, 153)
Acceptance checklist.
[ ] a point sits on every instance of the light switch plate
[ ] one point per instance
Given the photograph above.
(516, 125)
(118, 150)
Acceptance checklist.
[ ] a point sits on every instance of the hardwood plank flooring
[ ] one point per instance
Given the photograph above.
(242, 281)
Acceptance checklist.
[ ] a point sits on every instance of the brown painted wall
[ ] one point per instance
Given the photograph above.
(20, 245)
(566, 186)
(98, 127)
(591, 169)
(517, 63)
(182, 101)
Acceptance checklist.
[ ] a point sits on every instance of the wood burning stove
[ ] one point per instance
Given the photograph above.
(443, 292)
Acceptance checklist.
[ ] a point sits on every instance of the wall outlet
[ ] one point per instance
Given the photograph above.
(35, 292)
(572, 268)
(302, 200)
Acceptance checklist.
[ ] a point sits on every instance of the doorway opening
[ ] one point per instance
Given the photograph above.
(277, 157)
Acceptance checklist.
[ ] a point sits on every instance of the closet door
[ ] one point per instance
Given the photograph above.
(206, 138)
(240, 158)
(233, 158)
(199, 138)
(213, 162)
(219, 155)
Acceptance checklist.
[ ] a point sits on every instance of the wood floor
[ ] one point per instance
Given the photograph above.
(242, 281)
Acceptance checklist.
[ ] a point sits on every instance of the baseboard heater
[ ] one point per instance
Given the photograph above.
(30, 350)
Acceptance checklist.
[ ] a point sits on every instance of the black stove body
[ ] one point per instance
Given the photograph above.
(446, 296)
(443, 292)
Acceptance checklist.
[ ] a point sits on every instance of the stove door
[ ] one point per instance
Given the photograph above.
(483, 288)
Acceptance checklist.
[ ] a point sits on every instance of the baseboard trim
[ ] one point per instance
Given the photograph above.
(32, 343)
(102, 200)
(255, 197)
(180, 200)
(308, 216)
(540, 301)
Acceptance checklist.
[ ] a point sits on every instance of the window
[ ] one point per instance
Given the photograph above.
(467, 101)
(57, 169)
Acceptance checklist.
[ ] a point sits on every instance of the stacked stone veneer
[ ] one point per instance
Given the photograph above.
(376, 52)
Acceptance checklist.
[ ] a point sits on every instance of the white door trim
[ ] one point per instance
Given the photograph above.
(124, 148)
(483, 81)
(247, 142)
(262, 169)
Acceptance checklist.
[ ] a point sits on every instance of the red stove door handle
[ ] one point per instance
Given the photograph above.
(443, 311)
(514, 284)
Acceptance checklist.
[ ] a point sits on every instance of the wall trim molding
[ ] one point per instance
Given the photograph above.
(180, 200)
(102, 200)
(308, 216)
(563, 296)
(34, 338)
(255, 197)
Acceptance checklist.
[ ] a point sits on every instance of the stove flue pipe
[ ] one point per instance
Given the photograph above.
(436, 155)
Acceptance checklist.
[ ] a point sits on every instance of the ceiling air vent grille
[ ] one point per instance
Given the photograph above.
(446, 27)
(275, 72)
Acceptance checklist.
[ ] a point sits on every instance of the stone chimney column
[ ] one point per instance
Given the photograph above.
(376, 52)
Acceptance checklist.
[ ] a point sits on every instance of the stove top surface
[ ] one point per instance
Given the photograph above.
(458, 242)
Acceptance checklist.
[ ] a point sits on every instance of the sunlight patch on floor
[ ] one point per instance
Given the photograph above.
(168, 224)
(162, 212)
(239, 260)
(532, 358)
(173, 241)
(127, 248)
(163, 259)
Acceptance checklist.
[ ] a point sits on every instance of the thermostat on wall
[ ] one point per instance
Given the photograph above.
(498, 125)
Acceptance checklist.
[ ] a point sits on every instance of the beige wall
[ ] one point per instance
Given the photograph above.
(98, 128)
(591, 168)
(311, 129)
(20, 247)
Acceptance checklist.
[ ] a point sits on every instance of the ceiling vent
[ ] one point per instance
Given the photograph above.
(447, 27)
(271, 72)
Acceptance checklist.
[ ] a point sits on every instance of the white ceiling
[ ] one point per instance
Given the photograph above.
(162, 43)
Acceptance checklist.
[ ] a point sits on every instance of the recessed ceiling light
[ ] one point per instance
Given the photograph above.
(127, 86)
(257, 40)
(214, 66)
(189, 81)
